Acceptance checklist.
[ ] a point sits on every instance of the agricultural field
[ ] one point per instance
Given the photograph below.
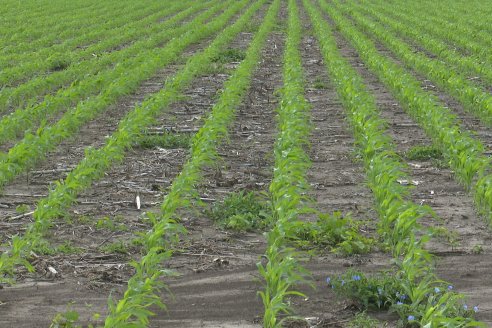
(246, 163)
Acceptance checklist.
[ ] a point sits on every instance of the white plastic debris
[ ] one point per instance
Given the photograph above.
(52, 271)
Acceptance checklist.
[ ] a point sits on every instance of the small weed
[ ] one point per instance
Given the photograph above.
(439, 163)
(45, 248)
(444, 234)
(280, 27)
(362, 320)
(336, 231)
(413, 303)
(229, 55)
(214, 69)
(139, 240)
(70, 318)
(58, 62)
(424, 153)
(167, 140)
(118, 247)
(242, 211)
(67, 319)
(378, 292)
(22, 209)
(84, 219)
(319, 84)
(68, 248)
(111, 224)
(477, 249)
(252, 26)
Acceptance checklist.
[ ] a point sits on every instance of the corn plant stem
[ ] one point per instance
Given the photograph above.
(464, 153)
(283, 271)
(399, 217)
(474, 99)
(33, 147)
(144, 287)
(87, 70)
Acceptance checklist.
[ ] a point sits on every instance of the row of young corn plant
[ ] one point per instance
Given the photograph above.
(14, 11)
(98, 161)
(39, 11)
(439, 29)
(466, 43)
(118, 64)
(452, 18)
(27, 152)
(128, 64)
(23, 41)
(69, 29)
(59, 56)
(474, 99)
(461, 11)
(282, 271)
(464, 154)
(87, 76)
(467, 65)
(469, 24)
(67, 37)
(399, 226)
(145, 285)
(29, 24)
(471, 15)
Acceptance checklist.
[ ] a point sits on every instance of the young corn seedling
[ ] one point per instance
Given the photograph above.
(464, 153)
(96, 162)
(132, 309)
(123, 79)
(282, 271)
(399, 217)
